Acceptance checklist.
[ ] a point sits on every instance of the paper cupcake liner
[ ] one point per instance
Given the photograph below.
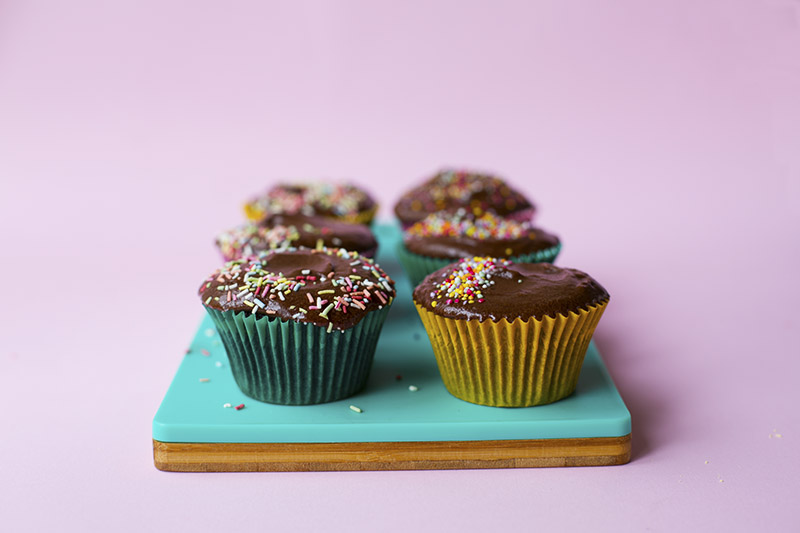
(362, 217)
(511, 364)
(294, 363)
(418, 266)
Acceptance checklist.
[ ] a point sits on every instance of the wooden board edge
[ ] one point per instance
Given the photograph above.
(354, 456)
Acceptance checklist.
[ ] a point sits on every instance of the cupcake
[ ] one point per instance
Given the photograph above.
(344, 202)
(299, 325)
(452, 189)
(509, 334)
(281, 231)
(444, 237)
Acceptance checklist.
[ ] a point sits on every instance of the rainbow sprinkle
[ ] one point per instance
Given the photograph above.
(460, 222)
(466, 283)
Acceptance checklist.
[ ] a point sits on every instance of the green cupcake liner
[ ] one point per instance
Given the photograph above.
(418, 266)
(295, 363)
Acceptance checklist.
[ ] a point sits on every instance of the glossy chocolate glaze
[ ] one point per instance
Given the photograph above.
(449, 190)
(335, 288)
(277, 231)
(455, 247)
(333, 233)
(520, 290)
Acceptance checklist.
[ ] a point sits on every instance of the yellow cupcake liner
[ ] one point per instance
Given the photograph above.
(511, 363)
(254, 212)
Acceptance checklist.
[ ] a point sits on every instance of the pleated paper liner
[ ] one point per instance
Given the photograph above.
(295, 363)
(511, 364)
(254, 213)
(418, 266)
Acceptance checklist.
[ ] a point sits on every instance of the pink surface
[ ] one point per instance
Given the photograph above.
(659, 139)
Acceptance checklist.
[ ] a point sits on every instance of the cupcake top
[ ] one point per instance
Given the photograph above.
(451, 189)
(281, 231)
(480, 288)
(335, 200)
(461, 234)
(328, 287)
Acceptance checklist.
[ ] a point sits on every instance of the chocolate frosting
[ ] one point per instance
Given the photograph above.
(518, 290)
(330, 288)
(333, 233)
(277, 231)
(342, 201)
(453, 189)
(455, 247)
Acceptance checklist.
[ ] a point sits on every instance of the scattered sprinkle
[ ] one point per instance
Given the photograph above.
(205, 352)
(218, 364)
(398, 377)
(356, 409)
(204, 380)
(226, 405)
(413, 388)
(210, 332)
(239, 407)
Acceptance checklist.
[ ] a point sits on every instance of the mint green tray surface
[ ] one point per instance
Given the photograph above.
(193, 410)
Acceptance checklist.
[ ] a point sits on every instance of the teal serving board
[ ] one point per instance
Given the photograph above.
(194, 408)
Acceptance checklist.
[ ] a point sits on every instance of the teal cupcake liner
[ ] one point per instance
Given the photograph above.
(296, 363)
(418, 266)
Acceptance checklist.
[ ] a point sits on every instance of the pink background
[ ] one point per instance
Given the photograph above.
(660, 140)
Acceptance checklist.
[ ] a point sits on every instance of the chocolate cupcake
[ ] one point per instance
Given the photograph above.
(344, 202)
(299, 325)
(453, 189)
(509, 334)
(444, 237)
(281, 231)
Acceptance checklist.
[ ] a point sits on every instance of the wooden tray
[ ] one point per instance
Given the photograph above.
(397, 428)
